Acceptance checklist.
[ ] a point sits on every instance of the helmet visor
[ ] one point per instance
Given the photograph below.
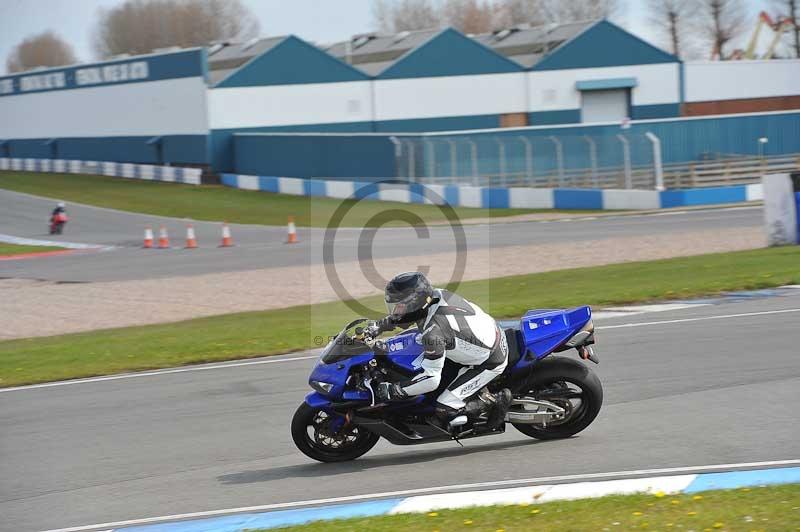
(404, 307)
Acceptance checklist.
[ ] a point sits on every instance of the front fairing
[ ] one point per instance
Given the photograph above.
(336, 373)
(404, 353)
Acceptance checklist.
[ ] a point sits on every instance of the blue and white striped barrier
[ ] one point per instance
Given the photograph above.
(173, 174)
(660, 485)
(499, 198)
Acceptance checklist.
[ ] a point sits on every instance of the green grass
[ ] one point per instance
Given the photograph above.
(218, 203)
(16, 249)
(744, 509)
(252, 334)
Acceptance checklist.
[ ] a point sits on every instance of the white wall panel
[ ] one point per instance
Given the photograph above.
(734, 80)
(167, 107)
(284, 105)
(554, 90)
(488, 94)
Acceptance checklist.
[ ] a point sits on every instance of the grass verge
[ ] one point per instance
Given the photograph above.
(217, 203)
(251, 334)
(16, 249)
(744, 509)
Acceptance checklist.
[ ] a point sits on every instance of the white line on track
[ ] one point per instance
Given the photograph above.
(155, 373)
(309, 357)
(704, 318)
(435, 489)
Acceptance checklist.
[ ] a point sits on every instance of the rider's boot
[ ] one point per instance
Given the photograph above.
(447, 418)
(502, 402)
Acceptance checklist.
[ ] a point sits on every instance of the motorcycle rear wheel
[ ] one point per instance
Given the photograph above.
(312, 435)
(569, 384)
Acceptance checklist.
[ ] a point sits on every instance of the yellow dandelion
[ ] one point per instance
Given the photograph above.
(524, 504)
(697, 497)
(535, 511)
(433, 514)
(668, 525)
(500, 530)
(467, 521)
(745, 489)
(675, 501)
(691, 513)
(659, 494)
(637, 513)
(645, 525)
(718, 525)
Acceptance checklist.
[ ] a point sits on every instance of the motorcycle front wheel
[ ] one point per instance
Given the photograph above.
(570, 385)
(325, 438)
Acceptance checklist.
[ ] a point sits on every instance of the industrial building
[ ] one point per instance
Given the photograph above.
(197, 107)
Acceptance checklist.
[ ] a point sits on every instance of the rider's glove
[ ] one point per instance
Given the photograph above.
(373, 330)
(387, 391)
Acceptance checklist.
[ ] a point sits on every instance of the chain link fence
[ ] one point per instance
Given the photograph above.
(581, 161)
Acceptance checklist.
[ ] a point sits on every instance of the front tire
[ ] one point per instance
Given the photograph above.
(571, 385)
(314, 434)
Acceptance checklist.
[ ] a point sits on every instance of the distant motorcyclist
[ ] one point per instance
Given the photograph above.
(451, 328)
(61, 208)
(58, 218)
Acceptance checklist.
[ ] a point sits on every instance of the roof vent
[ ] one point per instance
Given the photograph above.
(249, 44)
(503, 34)
(216, 47)
(401, 36)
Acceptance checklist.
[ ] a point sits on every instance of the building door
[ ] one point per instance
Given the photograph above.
(605, 105)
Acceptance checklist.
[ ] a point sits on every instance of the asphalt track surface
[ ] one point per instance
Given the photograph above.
(262, 246)
(705, 385)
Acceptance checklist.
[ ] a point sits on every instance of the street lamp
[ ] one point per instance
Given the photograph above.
(762, 146)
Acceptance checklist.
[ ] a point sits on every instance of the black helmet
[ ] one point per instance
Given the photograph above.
(407, 296)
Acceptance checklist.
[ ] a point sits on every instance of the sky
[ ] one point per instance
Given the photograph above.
(315, 20)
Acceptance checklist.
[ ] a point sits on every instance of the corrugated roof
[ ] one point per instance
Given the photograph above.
(373, 52)
(527, 45)
(229, 56)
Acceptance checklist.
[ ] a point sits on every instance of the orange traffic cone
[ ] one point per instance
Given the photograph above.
(191, 241)
(148, 237)
(227, 241)
(163, 238)
(292, 232)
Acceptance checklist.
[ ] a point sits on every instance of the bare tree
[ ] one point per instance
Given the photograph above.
(508, 13)
(470, 16)
(718, 22)
(479, 16)
(406, 15)
(670, 17)
(563, 11)
(43, 50)
(141, 26)
(789, 8)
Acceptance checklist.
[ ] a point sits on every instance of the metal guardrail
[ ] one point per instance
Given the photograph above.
(728, 171)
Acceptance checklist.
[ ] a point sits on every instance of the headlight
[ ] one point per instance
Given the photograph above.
(322, 387)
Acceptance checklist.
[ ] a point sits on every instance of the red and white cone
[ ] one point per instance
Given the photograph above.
(191, 240)
(227, 241)
(148, 237)
(292, 239)
(163, 238)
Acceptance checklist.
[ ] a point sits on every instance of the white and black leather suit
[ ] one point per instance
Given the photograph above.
(455, 329)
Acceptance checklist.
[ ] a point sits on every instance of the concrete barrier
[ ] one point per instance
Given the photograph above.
(499, 198)
(173, 174)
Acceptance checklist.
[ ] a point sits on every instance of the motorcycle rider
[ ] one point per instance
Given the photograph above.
(451, 328)
(60, 209)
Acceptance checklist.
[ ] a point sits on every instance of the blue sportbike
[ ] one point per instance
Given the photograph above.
(554, 397)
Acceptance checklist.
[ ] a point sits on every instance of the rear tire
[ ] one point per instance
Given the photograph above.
(310, 436)
(556, 372)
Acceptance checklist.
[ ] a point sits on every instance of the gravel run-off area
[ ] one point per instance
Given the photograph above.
(35, 308)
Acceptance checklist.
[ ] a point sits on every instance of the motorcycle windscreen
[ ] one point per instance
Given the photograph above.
(342, 347)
